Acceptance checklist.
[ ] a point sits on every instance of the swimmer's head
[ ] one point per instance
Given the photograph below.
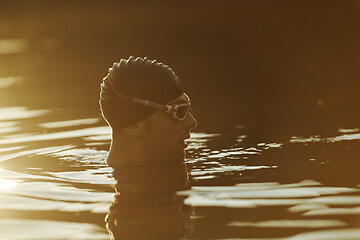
(136, 77)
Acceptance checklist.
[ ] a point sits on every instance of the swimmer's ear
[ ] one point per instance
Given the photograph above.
(135, 130)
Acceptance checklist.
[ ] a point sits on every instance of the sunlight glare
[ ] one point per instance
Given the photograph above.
(5, 183)
(13, 46)
(6, 82)
(11, 113)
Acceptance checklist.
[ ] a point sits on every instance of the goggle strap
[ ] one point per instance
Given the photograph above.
(167, 108)
(147, 103)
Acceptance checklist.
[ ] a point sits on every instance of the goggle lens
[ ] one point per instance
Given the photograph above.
(182, 111)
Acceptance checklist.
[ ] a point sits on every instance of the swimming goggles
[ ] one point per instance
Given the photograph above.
(177, 111)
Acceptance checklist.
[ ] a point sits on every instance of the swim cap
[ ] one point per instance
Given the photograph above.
(136, 77)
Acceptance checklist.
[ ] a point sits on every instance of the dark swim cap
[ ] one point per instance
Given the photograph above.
(141, 78)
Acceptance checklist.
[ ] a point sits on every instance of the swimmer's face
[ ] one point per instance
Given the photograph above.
(164, 136)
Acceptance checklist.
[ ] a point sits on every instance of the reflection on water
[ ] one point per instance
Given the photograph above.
(6, 183)
(70, 123)
(16, 113)
(291, 224)
(145, 206)
(11, 46)
(6, 82)
(351, 134)
(54, 184)
(55, 136)
(49, 230)
(41, 151)
(260, 194)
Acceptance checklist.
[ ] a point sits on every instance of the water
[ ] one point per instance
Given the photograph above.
(54, 183)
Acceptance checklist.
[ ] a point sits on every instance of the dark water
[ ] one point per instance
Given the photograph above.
(54, 183)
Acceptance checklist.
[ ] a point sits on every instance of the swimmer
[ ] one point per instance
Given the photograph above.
(150, 115)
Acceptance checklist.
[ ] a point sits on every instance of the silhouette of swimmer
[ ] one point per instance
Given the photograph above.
(150, 117)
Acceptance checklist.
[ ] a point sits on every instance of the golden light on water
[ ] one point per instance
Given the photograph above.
(6, 183)
(11, 113)
(6, 82)
(11, 46)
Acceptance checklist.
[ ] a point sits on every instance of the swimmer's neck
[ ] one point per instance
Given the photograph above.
(125, 150)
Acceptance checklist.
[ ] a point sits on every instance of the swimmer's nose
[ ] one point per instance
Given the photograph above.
(189, 122)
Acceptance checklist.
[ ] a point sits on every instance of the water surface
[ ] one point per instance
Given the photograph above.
(55, 184)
